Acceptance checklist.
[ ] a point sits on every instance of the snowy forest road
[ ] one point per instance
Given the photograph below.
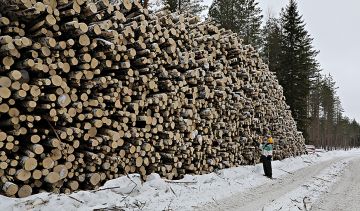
(325, 180)
(317, 187)
(345, 193)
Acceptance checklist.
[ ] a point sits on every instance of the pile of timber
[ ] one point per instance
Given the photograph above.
(91, 90)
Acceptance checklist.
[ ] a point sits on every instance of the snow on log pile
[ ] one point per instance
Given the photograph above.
(93, 89)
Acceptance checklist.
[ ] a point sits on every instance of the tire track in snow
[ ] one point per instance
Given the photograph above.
(292, 191)
(345, 192)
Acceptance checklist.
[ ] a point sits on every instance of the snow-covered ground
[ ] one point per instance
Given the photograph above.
(300, 183)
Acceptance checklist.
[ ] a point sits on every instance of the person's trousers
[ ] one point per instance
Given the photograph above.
(267, 165)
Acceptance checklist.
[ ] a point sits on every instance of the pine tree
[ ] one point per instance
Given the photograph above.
(194, 7)
(241, 16)
(314, 111)
(328, 101)
(298, 64)
(329, 127)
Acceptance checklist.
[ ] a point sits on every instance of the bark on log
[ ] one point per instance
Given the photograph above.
(91, 90)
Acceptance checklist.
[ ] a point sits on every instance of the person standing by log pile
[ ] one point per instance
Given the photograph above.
(91, 90)
(266, 153)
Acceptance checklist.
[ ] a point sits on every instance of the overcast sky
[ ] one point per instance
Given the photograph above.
(335, 27)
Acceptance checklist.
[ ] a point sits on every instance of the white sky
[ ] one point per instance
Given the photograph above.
(335, 27)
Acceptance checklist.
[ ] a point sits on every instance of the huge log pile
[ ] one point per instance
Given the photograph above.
(93, 89)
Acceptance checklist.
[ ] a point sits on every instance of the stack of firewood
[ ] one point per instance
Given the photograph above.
(93, 89)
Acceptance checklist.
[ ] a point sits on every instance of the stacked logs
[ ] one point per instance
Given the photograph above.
(93, 89)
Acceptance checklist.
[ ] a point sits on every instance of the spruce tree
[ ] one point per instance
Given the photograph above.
(194, 7)
(241, 16)
(271, 49)
(298, 64)
(173, 4)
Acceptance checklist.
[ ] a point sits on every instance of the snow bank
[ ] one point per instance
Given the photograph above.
(129, 193)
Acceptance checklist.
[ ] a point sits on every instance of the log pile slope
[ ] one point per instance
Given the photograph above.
(91, 90)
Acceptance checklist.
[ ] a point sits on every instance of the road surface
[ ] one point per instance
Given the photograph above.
(330, 185)
(345, 193)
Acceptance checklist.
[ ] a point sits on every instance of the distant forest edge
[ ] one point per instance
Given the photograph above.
(287, 47)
